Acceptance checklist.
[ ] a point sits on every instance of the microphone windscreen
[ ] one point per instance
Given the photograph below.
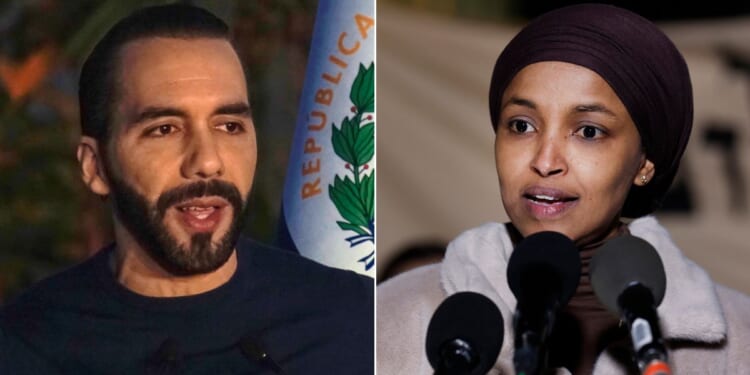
(474, 319)
(622, 262)
(545, 265)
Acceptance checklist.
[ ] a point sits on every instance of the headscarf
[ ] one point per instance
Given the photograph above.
(639, 62)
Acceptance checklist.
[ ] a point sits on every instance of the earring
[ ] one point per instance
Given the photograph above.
(644, 179)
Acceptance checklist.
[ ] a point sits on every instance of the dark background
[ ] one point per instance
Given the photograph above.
(48, 218)
(508, 10)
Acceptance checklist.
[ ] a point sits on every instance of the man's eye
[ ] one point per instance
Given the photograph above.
(520, 126)
(590, 132)
(162, 130)
(231, 127)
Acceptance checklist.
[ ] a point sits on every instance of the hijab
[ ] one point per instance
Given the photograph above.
(639, 62)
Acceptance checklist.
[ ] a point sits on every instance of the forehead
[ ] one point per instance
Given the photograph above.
(150, 68)
(556, 79)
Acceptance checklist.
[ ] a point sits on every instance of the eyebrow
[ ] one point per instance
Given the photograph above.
(519, 101)
(581, 108)
(240, 109)
(150, 113)
(599, 108)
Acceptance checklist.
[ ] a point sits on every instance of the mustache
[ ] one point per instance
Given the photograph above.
(199, 189)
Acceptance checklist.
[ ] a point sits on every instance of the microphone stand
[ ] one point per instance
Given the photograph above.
(650, 353)
(531, 334)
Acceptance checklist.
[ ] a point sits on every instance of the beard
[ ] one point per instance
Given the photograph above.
(145, 221)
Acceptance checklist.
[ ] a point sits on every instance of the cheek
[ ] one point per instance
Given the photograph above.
(148, 170)
(500, 158)
(511, 163)
(240, 160)
(510, 172)
(502, 172)
(607, 177)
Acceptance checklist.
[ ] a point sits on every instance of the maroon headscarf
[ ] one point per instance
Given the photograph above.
(639, 62)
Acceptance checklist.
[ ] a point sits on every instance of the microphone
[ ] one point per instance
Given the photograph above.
(628, 278)
(252, 350)
(543, 273)
(465, 335)
(166, 360)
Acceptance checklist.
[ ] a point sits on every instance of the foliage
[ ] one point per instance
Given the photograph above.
(354, 143)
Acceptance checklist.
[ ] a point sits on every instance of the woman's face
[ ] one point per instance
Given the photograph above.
(567, 152)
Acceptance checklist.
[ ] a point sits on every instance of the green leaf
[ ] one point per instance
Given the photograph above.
(341, 145)
(350, 131)
(367, 194)
(364, 145)
(352, 143)
(342, 198)
(348, 226)
(363, 89)
(353, 199)
(345, 196)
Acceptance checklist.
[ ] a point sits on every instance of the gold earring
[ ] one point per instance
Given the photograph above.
(644, 179)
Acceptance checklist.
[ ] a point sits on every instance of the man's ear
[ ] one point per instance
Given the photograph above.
(645, 173)
(91, 162)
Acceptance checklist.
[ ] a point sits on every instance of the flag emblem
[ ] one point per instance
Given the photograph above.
(354, 143)
(328, 209)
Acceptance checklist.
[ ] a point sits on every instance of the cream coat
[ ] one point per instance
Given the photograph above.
(707, 326)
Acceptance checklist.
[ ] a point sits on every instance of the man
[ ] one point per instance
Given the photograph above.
(168, 137)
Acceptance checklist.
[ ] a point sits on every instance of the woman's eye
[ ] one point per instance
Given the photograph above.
(520, 126)
(590, 132)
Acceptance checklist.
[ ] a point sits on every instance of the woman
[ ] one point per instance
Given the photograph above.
(592, 110)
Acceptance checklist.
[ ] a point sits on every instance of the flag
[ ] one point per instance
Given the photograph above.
(328, 207)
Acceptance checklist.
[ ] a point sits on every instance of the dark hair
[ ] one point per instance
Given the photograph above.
(97, 86)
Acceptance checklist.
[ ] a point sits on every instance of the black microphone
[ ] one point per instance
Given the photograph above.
(543, 272)
(253, 350)
(465, 335)
(166, 360)
(628, 277)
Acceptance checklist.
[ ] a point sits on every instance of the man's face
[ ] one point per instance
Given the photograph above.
(567, 152)
(182, 154)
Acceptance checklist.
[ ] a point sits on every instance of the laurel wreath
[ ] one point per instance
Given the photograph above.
(354, 142)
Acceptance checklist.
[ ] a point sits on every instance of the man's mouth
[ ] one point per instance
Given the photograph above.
(201, 214)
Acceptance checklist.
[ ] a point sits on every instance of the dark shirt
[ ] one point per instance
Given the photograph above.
(302, 316)
(585, 327)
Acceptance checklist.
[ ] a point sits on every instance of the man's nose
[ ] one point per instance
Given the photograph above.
(203, 159)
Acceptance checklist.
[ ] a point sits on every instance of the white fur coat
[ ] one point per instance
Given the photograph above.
(707, 326)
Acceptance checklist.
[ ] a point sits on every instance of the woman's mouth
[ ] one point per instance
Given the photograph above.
(547, 203)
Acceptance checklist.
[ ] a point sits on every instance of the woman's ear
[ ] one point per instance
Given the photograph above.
(92, 166)
(645, 173)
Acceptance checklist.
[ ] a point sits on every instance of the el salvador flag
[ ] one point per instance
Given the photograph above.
(328, 208)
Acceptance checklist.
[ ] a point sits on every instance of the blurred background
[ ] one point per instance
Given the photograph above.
(48, 219)
(435, 144)
(437, 176)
